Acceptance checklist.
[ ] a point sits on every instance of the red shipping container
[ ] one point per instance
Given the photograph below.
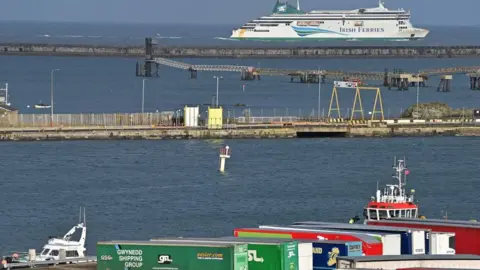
(466, 236)
(370, 245)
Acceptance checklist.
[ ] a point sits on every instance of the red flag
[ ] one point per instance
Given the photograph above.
(407, 172)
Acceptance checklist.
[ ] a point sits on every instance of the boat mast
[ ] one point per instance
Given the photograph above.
(298, 5)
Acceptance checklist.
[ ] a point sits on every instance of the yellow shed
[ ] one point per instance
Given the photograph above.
(215, 118)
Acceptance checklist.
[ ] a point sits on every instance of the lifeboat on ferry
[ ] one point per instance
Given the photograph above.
(393, 201)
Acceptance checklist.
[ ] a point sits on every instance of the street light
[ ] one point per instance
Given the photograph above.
(143, 94)
(51, 95)
(319, 91)
(218, 82)
(418, 92)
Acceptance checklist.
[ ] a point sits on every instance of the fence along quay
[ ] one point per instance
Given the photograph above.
(31, 127)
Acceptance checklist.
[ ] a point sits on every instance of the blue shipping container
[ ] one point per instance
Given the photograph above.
(409, 245)
(325, 253)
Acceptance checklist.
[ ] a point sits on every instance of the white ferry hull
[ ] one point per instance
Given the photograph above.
(299, 33)
(290, 23)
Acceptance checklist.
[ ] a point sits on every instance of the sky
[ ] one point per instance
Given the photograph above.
(231, 12)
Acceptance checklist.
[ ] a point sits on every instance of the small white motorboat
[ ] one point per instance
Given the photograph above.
(42, 106)
(55, 246)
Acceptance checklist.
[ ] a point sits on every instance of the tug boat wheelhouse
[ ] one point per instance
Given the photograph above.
(393, 202)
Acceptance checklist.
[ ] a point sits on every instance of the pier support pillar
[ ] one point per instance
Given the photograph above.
(193, 73)
(145, 69)
(249, 75)
(445, 83)
(386, 79)
(474, 81)
(403, 85)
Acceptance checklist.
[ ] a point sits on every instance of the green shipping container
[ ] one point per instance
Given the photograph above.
(151, 255)
(263, 254)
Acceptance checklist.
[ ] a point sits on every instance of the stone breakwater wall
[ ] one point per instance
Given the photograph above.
(245, 52)
(152, 133)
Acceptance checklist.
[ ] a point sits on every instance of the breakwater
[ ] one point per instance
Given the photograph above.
(246, 132)
(244, 52)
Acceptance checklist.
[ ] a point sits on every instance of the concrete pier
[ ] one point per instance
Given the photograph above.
(242, 52)
(272, 131)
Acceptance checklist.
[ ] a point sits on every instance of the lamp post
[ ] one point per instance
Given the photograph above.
(51, 95)
(418, 92)
(218, 83)
(143, 94)
(319, 91)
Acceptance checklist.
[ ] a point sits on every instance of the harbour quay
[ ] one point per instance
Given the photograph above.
(264, 128)
(220, 123)
(240, 52)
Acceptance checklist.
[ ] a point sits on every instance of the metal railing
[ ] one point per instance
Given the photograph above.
(94, 119)
(270, 117)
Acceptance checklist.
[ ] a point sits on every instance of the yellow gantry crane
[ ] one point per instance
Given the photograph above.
(358, 98)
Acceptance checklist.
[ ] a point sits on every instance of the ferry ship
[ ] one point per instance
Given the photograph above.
(290, 23)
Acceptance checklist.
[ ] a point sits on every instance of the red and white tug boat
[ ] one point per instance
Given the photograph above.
(394, 202)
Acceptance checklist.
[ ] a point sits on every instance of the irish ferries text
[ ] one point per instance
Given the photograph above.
(361, 30)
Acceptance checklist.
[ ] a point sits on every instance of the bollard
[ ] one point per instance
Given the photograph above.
(224, 154)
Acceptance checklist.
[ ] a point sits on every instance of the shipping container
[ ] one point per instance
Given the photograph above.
(191, 115)
(305, 256)
(188, 255)
(409, 261)
(263, 254)
(447, 221)
(325, 253)
(442, 243)
(391, 242)
(413, 241)
(370, 245)
(462, 241)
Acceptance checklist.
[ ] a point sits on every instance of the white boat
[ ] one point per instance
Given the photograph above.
(290, 23)
(42, 106)
(55, 246)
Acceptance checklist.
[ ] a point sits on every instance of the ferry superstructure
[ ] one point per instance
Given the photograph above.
(290, 23)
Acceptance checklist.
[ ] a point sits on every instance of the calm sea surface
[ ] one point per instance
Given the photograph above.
(144, 189)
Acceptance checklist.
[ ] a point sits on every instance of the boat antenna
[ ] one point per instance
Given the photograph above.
(80, 216)
(298, 5)
(84, 218)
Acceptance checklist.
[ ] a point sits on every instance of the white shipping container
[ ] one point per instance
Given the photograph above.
(392, 244)
(305, 256)
(409, 261)
(442, 243)
(418, 242)
(190, 116)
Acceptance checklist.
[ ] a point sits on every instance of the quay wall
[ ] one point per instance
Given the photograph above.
(263, 132)
(244, 52)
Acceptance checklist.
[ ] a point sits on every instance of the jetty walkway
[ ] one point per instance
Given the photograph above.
(331, 74)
